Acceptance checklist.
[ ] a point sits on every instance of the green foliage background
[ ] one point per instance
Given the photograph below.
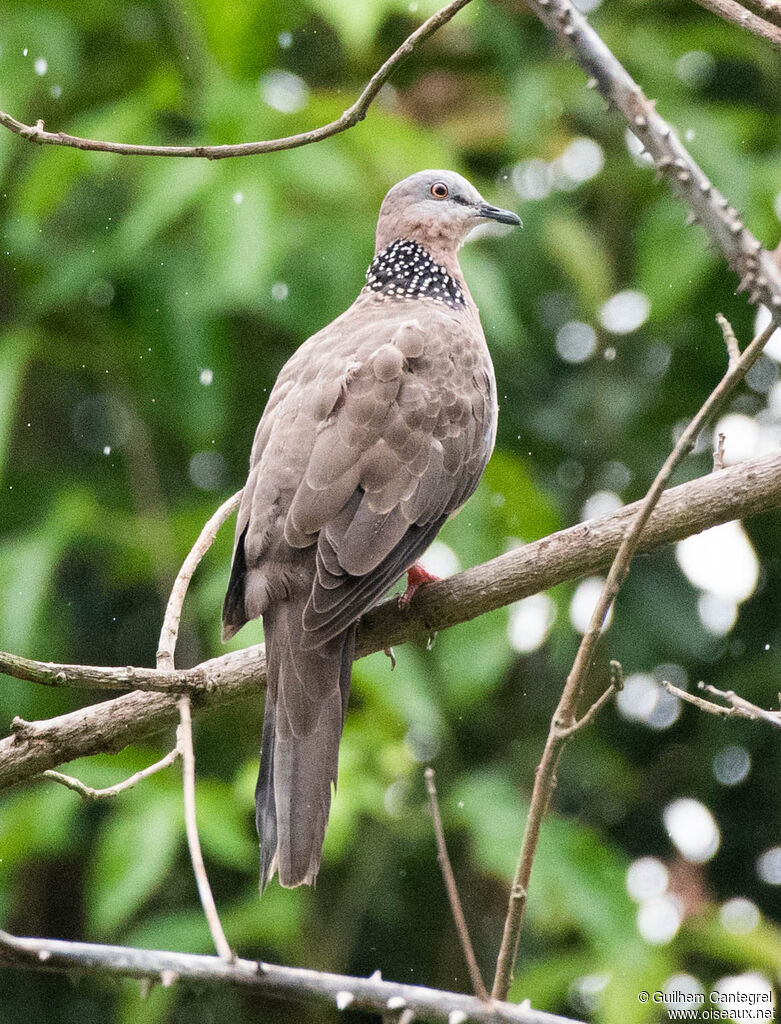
(122, 279)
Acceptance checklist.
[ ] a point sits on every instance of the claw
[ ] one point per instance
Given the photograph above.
(417, 577)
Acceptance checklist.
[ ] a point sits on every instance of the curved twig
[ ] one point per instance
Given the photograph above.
(88, 793)
(173, 612)
(166, 650)
(351, 117)
(449, 878)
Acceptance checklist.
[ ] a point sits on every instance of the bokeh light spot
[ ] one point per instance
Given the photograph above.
(692, 829)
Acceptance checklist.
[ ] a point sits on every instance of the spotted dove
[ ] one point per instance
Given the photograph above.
(377, 429)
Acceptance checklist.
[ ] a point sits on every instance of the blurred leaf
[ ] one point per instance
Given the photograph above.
(136, 848)
(582, 259)
(673, 263)
(37, 821)
(14, 354)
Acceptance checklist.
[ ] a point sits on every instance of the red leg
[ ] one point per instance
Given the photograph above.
(416, 577)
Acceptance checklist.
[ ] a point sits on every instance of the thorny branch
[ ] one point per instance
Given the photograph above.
(351, 117)
(737, 492)
(760, 274)
(564, 716)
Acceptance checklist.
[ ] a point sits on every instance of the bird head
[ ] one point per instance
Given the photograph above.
(438, 209)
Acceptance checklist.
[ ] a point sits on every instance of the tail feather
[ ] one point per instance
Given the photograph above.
(300, 749)
(265, 806)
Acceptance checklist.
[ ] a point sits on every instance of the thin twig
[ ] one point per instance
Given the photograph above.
(173, 612)
(733, 348)
(699, 702)
(166, 650)
(294, 984)
(99, 794)
(185, 738)
(565, 715)
(740, 704)
(351, 117)
(718, 455)
(452, 892)
(588, 716)
(732, 11)
(739, 707)
(746, 489)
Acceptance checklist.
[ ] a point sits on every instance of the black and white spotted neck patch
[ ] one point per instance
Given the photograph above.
(405, 270)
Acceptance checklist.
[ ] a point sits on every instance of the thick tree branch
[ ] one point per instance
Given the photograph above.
(351, 117)
(759, 273)
(289, 983)
(736, 492)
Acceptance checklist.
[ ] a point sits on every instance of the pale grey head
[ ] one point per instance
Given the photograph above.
(423, 220)
(438, 209)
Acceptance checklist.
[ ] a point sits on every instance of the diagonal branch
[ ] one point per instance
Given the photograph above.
(564, 717)
(736, 492)
(452, 891)
(351, 117)
(290, 983)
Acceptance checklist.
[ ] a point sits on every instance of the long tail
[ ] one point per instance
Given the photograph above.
(306, 700)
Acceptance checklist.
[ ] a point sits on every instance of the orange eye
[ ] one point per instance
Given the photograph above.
(439, 190)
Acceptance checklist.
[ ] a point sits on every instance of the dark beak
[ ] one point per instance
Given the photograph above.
(497, 213)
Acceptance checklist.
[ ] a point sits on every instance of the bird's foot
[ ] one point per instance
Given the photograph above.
(417, 577)
(391, 655)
